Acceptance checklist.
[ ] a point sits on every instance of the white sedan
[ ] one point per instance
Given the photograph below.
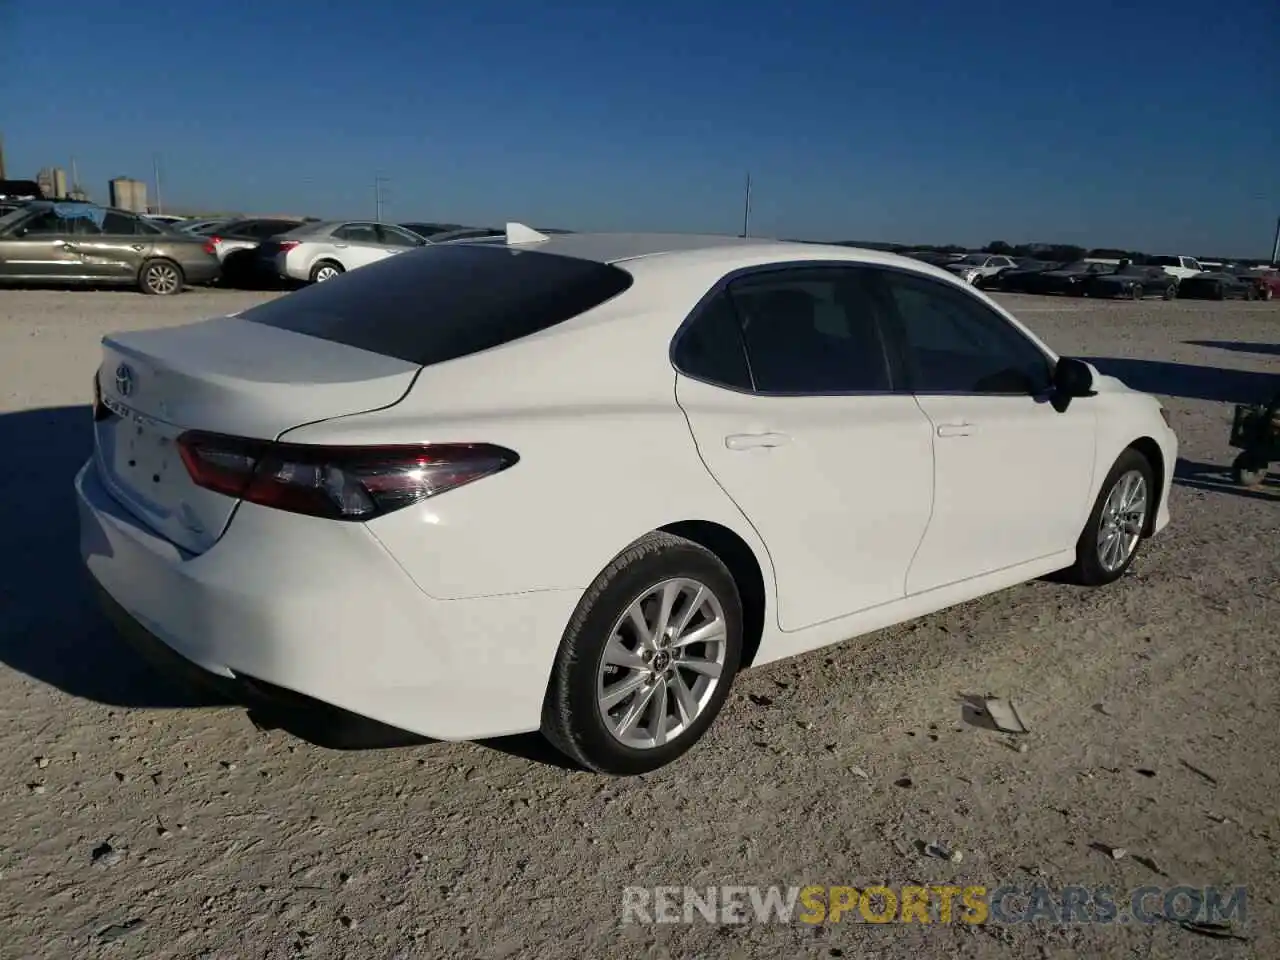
(317, 252)
(978, 268)
(574, 484)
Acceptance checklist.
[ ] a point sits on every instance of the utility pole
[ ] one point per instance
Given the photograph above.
(746, 209)
(1275, 247)
(155, 163)
(377, 196)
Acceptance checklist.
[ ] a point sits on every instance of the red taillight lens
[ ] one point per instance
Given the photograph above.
(339, 483)
(211, 246)
(286, 245)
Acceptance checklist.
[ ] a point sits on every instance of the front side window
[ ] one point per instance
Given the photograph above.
(395, 237)
(811, 331)
(953, 343)
(357, 233)
(711, 349)
(117, 224)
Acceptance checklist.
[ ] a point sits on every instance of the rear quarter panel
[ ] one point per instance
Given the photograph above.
(605, 456)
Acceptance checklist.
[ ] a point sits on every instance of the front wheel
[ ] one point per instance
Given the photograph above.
(1250, 293)
(1137, 292)
(160, 278)
(1248, 472)
(1171, 291)
(1113, 533)
(646, 662)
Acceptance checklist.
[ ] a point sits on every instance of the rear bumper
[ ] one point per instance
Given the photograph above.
(320, 609)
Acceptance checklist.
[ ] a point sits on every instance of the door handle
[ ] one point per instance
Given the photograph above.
(751, 441)
(138, 247)
(341, 246)
(955, 429)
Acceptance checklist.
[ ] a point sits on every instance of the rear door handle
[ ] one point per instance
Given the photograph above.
(955, 429)
(750, 441)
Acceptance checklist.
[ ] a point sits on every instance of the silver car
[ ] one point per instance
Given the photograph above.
(977, 268)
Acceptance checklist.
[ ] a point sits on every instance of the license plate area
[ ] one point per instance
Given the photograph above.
(140, 451)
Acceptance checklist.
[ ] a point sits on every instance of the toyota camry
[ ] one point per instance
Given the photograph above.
(576, 483)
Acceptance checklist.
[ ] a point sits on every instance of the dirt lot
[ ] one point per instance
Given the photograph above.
(1153, 706)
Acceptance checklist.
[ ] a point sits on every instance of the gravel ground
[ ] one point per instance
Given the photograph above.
(138, 821)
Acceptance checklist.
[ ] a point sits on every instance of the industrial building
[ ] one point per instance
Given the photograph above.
(128, 194)
(53, 182)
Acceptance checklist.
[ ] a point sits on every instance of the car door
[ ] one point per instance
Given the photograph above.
(1012, 473)
(113, 249)
(357, 245)
(786, 384)
(36, 248)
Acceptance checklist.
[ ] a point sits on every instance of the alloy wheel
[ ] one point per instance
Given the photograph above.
(662, 663)
(326, 273)
(1123, 516)
(162, 278)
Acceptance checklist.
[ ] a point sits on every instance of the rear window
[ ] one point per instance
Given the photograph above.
(445, 302)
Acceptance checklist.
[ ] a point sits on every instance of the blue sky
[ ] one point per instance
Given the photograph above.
(1156, 128)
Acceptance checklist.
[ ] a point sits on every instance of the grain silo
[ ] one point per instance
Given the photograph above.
(128, 194)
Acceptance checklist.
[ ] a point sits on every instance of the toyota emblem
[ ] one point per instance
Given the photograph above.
(124, 380)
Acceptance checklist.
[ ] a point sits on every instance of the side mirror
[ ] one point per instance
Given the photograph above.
(1071, 378)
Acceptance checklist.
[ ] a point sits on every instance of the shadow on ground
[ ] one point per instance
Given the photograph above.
(1190, 381)
(52, 630)
(1239, 346)
(1216, 478)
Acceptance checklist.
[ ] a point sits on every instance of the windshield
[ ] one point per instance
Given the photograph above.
(973, 260)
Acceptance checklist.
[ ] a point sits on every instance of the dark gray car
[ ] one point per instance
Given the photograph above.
(75, 243)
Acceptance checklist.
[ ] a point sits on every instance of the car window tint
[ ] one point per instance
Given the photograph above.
(438, 303)
(118, 224)
(956, 344)
(151, 229)
(395, 237)
(811, 331)
(710, 348)
(46, 224)
(357, 233)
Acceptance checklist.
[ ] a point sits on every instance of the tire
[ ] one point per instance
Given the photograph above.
(1250, 294)
(574, 718)
(1090, 569)
(1219, 292)
(1170, 292)
(1267, 293)
(326, 270)
(1137, 292)
(1248, 472)
(160, 278)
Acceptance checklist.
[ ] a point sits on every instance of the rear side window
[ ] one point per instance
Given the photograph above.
(711, 348)
(440, 303)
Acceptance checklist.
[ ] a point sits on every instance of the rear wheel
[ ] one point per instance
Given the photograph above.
(160, 278)
(1113, 533)
(646, 662)
(1251, 293)
(325, 270)
(1170, 292)
(1137, 292)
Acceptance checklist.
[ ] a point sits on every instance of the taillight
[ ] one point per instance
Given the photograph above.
(338, 483)
(287, 245)
(211, 247)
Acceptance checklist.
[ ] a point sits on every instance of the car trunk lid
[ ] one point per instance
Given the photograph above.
(228, 376)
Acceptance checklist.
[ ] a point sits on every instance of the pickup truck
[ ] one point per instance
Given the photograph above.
(1179, 267)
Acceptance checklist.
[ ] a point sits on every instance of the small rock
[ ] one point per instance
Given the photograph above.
(118, 930)
(36, 788)
(120, 777)
(162, 831)
(349, 922)
(859, 772)
(760, 700)
(344, 878)
(42, 762)
(106, 855)
(805, 725)
(227, 765)
(903, 782)
(1022, 747)
(1119, 853)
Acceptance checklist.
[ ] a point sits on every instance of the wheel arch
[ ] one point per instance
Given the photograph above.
(736, 554)
(1151, 452)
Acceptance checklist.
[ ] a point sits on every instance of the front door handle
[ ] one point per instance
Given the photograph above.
(955, 429)
(750, 441)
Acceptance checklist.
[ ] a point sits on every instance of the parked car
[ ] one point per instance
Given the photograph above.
(978, 268)
(1219, 286)
(1132, 281)
(316, 252)
(248, 233)
(1267, 282)
(430, 498)
(933, 257)
(202, 226)
(427, 230)
(1070, 279)
(1015, 279)
(76, 243)
(1179, 267)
